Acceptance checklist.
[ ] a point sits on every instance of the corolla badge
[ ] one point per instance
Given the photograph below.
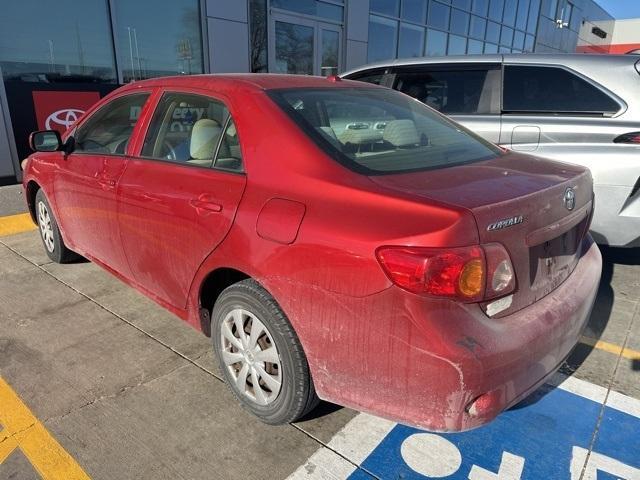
(569, 199)
(63, 118)
(505, 222)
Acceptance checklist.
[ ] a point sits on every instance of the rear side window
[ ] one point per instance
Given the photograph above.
(190, 129)
(378, 130)
(453, 91)
(108, 130)
(552, 90)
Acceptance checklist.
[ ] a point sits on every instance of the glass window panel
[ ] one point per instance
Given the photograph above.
(448, 91)
(518, 40)
(506, 37)
(549, 8)
(414, 10)
(411, 41)
(386, 7)
(374, 77)
(529, 42)
(307, 7)
(439, 15)
(294, 48)
(330, 11)
(480, 7)
(258, 35)
(523, 11)
(478, 26)
(108, 130)
(475, 47)
(383, 35)
(457, 45)
(330, 46)
(229, 155)
(534, 13)
(493, 32)
(464, 4)
(552, 89)
(66, 38)
(495, 10)
(576, 18)
(185, 128)
(504, 50)
(145, 50)
(436, 43)
(510, 9)
(459, 22)
(490, 48)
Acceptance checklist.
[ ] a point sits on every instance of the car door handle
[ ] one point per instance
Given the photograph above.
(207, 203)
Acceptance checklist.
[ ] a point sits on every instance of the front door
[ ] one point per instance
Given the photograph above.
(179, 194)
(86, 181)
(304, 46)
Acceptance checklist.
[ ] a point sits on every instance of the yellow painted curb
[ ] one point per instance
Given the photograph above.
(16, 224)
(611, 348)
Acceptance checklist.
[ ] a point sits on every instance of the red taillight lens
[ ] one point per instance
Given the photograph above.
(631, 137)
(469, 274)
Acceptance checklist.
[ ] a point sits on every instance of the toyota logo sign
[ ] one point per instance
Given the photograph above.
(62, 118)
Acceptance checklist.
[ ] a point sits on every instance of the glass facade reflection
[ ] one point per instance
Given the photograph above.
(453, 27)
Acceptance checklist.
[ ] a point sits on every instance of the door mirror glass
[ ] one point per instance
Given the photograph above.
(45, 141)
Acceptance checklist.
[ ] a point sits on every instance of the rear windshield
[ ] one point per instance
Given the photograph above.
(377, 130)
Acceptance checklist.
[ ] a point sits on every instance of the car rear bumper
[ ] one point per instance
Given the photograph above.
(424, 363)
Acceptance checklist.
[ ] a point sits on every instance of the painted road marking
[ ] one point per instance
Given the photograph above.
(611, 348)
(24, 431)
(548, 437)
(13, 224)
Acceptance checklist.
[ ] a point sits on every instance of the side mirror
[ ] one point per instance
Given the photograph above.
(45, 141)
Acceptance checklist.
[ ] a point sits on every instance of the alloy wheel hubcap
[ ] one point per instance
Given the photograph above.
(46, 230)
(251, 357)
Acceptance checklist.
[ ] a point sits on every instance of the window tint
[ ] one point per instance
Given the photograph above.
(369, 76)
(378, 130)
(450, 92)
(552, 89)
(185, 128)
(108, 130)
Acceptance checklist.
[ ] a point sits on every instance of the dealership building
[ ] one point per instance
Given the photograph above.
(57, 58)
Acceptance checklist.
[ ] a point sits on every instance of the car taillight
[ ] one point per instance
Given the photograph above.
(468, 274)
(631, 137)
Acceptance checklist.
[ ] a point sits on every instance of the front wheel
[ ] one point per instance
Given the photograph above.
(54, 246)
(260, 355)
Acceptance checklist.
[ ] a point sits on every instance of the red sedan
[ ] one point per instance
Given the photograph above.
(336, 240)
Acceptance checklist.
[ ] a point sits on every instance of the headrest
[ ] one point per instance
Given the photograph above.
(401, 133)
(204, 137)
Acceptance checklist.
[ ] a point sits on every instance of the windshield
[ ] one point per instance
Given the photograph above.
(376, 131)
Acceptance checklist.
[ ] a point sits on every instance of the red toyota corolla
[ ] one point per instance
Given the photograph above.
(336, 240)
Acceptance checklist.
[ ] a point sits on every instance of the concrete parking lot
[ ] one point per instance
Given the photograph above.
(97, 381)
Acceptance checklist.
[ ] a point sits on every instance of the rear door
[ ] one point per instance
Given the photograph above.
(548, 109)
(179, 195)
(468, 93)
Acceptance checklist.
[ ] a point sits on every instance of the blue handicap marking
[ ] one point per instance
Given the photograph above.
(548, 437)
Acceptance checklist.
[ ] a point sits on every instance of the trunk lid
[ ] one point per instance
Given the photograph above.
(539, 210)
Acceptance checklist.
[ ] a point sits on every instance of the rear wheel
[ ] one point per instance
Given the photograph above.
(260, 355)
(54, 246)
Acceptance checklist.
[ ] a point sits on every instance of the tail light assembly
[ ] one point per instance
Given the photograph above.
(469, 274)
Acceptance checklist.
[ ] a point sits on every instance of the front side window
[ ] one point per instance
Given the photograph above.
(452, 91)
(109, 129)
(187, 129)
(370, 76)
(376, 130)
(554, 90)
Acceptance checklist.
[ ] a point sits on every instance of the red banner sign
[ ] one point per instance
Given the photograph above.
(59, 110)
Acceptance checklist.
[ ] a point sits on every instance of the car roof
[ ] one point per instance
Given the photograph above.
(247, 81)
(584, 60)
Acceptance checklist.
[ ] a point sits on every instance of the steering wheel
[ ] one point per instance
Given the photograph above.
(167, 147)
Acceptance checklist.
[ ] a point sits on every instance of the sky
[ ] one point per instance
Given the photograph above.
(621, 8)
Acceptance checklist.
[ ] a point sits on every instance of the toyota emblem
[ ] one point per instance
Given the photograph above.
(63, 118)
(569, 199)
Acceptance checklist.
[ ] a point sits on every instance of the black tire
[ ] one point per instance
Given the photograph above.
(52, 241)
(296, 396)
